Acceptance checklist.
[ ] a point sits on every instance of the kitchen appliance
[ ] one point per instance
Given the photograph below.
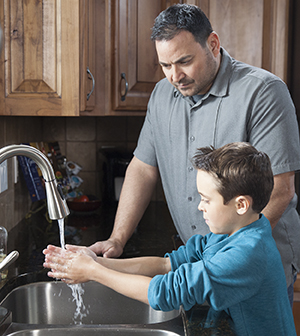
(115, 161)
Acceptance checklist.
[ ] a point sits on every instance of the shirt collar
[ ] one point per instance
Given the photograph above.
(221, 83)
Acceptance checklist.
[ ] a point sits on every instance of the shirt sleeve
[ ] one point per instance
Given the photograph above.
(190, 252)
(223, 279)
(145, 150)
(274, 114)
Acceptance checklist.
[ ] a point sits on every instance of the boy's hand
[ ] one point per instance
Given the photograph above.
(71, 267)
(82, 250)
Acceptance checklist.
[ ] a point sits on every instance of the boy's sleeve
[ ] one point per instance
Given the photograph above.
(224, 279)
(190, 252)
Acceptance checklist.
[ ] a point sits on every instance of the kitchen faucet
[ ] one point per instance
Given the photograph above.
(57, 206)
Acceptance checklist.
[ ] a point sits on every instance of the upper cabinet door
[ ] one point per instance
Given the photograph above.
(252, 31)
(135, 64)
(87, 54)
(135, 68)
(40, 57)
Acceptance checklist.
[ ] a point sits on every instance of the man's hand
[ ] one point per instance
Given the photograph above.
(111, 248)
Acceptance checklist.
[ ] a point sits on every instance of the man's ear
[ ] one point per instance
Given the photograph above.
(213, 43)
(242, 204)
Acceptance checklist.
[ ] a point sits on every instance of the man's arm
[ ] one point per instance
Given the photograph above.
(138, 186)
(283, 192)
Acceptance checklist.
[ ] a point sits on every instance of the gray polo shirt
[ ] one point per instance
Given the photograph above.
(244, 104)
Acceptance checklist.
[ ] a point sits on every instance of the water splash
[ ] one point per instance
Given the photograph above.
(77, 290)
(81, 311)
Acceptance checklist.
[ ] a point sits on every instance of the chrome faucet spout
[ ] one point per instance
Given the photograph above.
(57, 206)
(8, 260)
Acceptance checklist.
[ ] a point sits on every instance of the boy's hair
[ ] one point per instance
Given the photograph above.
(180, 17)
(239, 169)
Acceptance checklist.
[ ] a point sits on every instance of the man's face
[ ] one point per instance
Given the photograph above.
(189, 67)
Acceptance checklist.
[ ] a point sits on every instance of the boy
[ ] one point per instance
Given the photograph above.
(236, 268)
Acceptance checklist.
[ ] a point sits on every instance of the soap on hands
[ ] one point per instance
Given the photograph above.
(81, 249)
(71, 267)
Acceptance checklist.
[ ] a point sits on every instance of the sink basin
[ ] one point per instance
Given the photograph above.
(51, 303)
(93, 332)
(33, 305)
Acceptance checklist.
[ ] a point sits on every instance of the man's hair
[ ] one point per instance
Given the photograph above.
(239, 169)
(180, 17)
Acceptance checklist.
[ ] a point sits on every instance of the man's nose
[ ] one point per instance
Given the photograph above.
(177, 73)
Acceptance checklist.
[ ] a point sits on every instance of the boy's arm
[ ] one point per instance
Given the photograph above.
(147, 266)
(79, 267)
(130, 285)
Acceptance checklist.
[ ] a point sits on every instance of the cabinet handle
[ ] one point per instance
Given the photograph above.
(93, 79)
(123, 76)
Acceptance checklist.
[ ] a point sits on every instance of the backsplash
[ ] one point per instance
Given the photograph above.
(80, 139)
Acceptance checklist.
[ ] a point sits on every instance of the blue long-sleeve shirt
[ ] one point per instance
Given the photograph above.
(241, 274)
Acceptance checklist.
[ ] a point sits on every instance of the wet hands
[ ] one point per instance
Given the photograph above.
(72, 265)
(82, 250)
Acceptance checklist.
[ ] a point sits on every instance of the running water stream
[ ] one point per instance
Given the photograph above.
(77, 290)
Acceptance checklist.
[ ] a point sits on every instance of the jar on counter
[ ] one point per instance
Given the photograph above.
(3, 248)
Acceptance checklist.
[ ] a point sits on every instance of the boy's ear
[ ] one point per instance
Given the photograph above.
(242, 204)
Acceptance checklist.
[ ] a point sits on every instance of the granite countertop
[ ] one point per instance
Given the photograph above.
(154, 236)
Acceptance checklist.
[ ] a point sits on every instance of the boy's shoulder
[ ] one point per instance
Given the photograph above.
(256, 236)
(250, 242)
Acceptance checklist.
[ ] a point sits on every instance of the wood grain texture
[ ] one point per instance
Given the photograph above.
(41, 57)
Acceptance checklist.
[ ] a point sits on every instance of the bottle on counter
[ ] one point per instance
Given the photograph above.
(3, 248)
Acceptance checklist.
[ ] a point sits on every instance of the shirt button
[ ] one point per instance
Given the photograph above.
(190, 169)
(192, 138)
(190, 199)
(194, 227)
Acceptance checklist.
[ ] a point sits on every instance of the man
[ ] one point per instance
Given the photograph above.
(216, 100)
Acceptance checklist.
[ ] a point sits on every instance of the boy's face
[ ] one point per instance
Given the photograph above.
(221, 219)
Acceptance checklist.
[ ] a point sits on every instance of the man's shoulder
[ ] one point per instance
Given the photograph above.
(235, 77)
(244, 71)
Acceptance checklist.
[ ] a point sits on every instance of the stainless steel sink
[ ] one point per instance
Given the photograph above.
(52, 303)
(49, 308)
(93, 331)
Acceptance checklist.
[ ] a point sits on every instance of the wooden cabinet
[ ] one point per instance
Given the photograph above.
(135, 64)
(43, 60)
(87, 54)
(253, 31)
(50, 44)
(131, 58)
